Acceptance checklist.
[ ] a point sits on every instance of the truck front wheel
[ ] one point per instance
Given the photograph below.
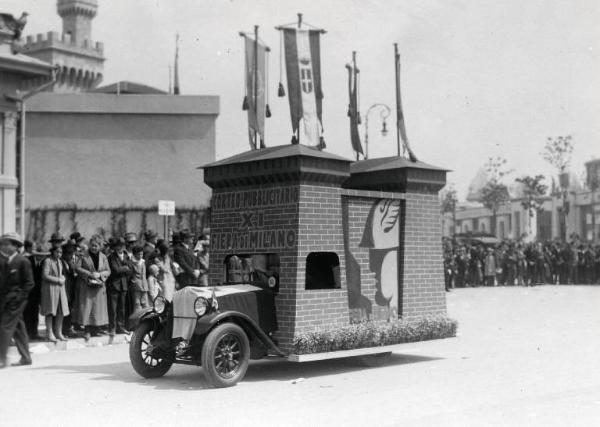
(225, 355)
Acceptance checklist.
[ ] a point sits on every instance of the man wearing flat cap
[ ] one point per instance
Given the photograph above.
(117, 285)
(184, 256)
(16, 283)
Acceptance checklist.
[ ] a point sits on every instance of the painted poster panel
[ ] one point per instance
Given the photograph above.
(381, 239)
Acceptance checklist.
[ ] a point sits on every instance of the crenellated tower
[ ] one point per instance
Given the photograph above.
(80, 61)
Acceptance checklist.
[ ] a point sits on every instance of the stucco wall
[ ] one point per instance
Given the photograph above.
(112, 160)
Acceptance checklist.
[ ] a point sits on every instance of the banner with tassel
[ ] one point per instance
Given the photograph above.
(256, 88)
(353, 105)
(302, 51)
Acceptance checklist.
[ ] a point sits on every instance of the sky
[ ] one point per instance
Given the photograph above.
(480, 78)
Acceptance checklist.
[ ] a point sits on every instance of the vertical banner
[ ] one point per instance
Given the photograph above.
(255, 79)
(401, 127)
(176, 88)
(353, 111)
(303, 69)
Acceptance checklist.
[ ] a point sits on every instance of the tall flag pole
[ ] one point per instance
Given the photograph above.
(302, 50)
(401, 129)
(176, 89)
(255, 80)
(353, 107)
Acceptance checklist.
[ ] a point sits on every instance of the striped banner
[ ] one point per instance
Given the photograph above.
(303, 69)
(256, 101)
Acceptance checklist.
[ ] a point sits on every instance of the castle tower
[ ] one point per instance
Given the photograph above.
(80, 61)
(77, 17)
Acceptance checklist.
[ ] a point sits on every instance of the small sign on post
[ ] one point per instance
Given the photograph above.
(166, 208)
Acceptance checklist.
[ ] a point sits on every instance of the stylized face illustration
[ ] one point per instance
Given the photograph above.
(385, 225)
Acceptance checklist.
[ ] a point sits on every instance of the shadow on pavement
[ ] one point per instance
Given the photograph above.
(282, 370)
(182, 377)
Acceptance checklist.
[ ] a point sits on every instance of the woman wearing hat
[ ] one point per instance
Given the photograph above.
(55, 304)
(92, 270)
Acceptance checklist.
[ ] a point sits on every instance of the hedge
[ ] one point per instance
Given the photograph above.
(371, 334)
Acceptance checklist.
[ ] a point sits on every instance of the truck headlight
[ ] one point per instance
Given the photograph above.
(200, 306)
(159, 304)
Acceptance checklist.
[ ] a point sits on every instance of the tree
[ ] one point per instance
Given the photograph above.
(496, 168)
(533, 192)
(558, 152)
(449, 200)
(493, 195)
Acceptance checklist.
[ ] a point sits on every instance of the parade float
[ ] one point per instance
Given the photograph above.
(313, 256)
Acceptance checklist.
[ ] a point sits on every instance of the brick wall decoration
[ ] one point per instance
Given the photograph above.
(286, 201)
(374, 225)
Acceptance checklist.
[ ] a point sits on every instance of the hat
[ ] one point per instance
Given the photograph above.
(150, 234)
(185, 234)
(13, 238)
(69, 247)
(116, 241)
(76, 237)
(56, 238)
(137, 249)
(130, 237)
(175, 237)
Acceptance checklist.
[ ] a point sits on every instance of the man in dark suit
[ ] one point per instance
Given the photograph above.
(17, 282)
(31, 314)
(184, 256)
(117, 285)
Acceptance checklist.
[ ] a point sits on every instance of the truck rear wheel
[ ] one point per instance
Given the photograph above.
(225, 355)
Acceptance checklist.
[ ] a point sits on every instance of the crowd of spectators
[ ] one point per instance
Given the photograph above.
(88, 287)
(471, 262)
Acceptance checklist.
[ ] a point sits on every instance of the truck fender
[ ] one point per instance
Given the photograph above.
(139, 316)
(205, 324)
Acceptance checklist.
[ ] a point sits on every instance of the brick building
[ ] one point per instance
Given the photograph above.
(349, 241)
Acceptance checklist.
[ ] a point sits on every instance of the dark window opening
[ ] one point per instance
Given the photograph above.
(251, 268)
(322, 271)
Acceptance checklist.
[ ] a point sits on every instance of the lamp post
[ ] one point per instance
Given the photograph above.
(384, 113)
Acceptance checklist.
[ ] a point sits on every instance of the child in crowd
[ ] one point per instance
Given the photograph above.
(139, 283)
(154, 286)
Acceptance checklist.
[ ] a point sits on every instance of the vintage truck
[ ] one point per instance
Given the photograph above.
(312, 256)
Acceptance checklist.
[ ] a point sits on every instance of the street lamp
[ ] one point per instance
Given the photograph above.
(384, 113)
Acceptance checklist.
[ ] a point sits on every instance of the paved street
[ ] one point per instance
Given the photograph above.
(525, 356)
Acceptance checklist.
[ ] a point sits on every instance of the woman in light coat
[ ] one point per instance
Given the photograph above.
(54, 304)
(166, 277)
(92, 271)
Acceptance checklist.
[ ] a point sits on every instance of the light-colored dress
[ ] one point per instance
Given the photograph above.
(54, 294)
(166, 277)
(92, 303)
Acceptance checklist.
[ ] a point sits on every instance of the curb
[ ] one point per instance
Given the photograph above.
(42, 347)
